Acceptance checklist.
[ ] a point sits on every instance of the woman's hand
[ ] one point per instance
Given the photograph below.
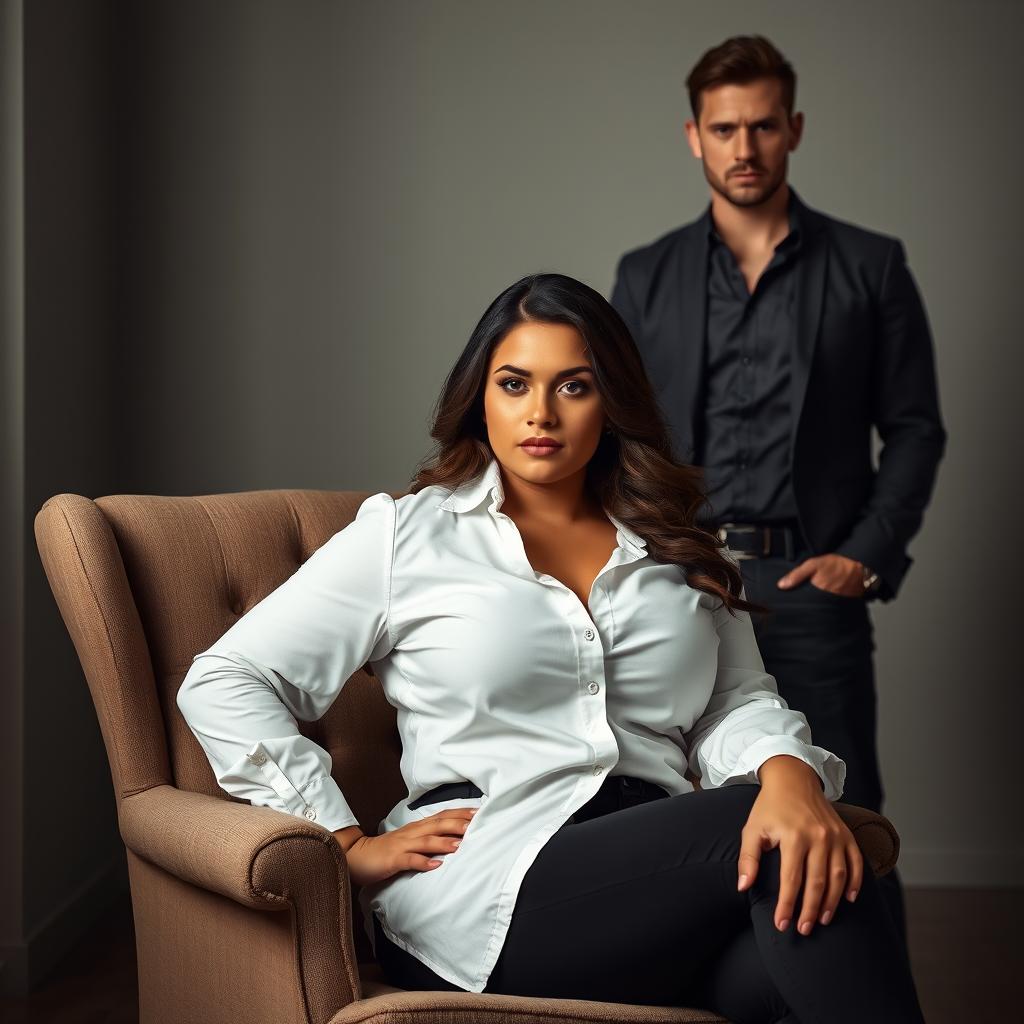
(374, 858)
(816, 846)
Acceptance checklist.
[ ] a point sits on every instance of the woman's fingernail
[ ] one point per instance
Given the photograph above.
(805, 928)
(456, 842)
(826, 917)
(742, 882)
(852, 895)
(783, 925)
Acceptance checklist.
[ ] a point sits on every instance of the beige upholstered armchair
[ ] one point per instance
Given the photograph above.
(245, 913)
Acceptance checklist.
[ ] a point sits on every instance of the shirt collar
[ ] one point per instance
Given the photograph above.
(795, 223)
(470, 494)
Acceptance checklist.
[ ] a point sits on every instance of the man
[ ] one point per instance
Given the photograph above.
(776, 337)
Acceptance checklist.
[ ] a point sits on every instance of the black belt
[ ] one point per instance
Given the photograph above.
(616, 792)
(447, 791)
(759, 540)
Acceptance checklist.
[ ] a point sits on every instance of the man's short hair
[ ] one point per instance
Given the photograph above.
(737, 61)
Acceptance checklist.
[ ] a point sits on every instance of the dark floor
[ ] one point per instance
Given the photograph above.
(965, 944)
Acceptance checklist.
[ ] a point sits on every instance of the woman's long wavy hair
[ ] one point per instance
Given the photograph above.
(632, 472)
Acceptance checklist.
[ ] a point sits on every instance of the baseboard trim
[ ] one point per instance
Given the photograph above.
(24, 967)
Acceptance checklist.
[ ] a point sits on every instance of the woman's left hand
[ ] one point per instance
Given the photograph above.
(817, 848)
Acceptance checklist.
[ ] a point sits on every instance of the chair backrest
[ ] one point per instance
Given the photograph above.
(144, 583)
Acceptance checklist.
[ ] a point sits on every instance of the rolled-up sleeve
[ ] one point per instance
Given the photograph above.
(288, 657)
(747, 721)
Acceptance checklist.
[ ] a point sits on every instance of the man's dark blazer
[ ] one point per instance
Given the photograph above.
(862, 356)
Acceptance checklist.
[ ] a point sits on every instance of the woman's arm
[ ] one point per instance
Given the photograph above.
(288, 657)
(748, 733)
(747, 721)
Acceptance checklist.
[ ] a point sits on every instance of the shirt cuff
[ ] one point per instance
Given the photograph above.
(318, 799)
(829, 768)
(331, 809)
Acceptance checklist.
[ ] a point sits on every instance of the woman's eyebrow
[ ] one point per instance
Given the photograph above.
(561, 373)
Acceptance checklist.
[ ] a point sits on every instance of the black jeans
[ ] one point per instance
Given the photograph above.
(819, 646)
(639, 905)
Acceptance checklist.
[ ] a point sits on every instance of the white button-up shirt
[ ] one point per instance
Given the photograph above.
(500, 677)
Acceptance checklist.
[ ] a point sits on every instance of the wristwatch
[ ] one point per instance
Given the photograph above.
(872, 581)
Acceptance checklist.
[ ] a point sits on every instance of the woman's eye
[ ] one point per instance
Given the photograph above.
(580, 387)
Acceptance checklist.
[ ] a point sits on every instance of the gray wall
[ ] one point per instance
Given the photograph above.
(12, 445)
(60, 853)
(257, 257)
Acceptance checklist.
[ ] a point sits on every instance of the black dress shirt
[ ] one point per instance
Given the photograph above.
(745, 440)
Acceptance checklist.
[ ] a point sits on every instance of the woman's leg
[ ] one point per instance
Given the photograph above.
(639, 905)
(737, 985)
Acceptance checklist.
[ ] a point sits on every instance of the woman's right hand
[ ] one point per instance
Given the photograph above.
(374, 858)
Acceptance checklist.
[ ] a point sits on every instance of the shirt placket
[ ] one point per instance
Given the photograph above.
(590, 644)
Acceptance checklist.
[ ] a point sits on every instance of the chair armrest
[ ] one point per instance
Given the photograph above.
(876, 836)
(238, 850)
(259, 857)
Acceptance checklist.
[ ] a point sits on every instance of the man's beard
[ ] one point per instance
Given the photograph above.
(747, 197)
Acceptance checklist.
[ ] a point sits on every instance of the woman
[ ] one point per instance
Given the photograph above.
(561, 644)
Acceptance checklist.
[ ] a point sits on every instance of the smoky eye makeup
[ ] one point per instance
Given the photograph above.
(581, 387)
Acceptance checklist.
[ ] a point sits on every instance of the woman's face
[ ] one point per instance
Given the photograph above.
(539, 384)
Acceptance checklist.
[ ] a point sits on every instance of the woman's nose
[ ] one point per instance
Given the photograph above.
(542, 412)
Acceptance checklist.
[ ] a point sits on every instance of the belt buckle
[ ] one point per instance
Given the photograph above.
(723, 534)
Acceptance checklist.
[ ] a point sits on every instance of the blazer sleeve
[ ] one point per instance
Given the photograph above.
(906, 414)
(288, 658)
(747, 721)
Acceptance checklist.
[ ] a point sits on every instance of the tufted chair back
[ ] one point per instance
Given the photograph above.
(168, 576)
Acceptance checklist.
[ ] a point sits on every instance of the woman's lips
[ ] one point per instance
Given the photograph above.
(541, 449)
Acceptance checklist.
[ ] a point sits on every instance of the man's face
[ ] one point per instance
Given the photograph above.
(743, 129)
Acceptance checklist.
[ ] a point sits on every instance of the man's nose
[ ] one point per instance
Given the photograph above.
(744, 145)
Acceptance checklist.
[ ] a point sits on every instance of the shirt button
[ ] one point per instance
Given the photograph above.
(592, 687)
(598, 768)
(589, 634)
(258, 758)
(309, 812)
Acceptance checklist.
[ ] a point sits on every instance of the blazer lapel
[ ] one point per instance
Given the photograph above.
(811, 289)
(690, 296)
